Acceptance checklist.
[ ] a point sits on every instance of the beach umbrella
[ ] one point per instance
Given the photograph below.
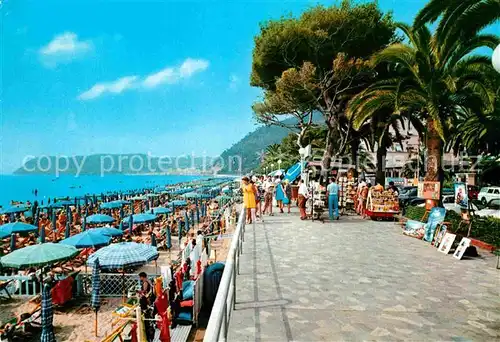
(42, 234)
(65, 202)
(169, 237)
(191, 195)
(18, 208)
(124, 255)
(161, 210)
(54, 226)
(140, 218)
(100, 218)
(197, 211)
(95, 300)
(47, 316)
(16, 227)
(110, 205)
(178, 203)
(12, 242)
(153, 240)
(138, 198)
(39, 255)
(110, 231)
(91, 238)
(68, 229)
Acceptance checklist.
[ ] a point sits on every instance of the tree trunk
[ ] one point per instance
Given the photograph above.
(329, 151)
(354, 155)
(434, 146)
(381, 155)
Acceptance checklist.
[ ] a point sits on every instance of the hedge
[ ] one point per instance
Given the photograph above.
(486, 229)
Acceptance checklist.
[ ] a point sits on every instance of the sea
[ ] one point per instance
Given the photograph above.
(22, 187)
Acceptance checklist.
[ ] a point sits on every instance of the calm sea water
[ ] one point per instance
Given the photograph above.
(21, 188)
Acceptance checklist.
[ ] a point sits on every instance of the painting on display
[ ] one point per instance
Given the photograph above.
(462, 247)
(429, 190)
(447, 243)
(439, 235)
(461, 197)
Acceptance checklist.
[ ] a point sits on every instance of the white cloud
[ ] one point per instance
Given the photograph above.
(234, 82)
(64, 48)
(115, 87)
(168, 75)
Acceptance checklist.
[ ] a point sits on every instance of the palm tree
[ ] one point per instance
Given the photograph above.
(434, 76)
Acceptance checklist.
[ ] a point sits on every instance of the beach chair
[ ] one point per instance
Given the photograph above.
(4, 287)
(426, 230)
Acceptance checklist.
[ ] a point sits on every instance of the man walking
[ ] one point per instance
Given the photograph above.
(303, 195)
(333, 199)
(268, 196)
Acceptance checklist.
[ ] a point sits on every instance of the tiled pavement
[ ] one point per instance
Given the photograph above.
(355, 279)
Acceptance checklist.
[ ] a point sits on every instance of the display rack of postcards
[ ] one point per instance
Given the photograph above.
(382, 203)
(347, 192)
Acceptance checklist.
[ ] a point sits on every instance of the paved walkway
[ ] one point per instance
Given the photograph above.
(359, 280)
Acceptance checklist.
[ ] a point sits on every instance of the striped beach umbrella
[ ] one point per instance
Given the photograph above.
(95, 300)
(47, 316)
(124, 255)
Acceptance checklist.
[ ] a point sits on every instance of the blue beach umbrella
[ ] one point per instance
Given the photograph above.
(91, 238)
(12, 242)
(95, 300)
(169, 237)
(161, 210)
(18, 208)
(16, 227)
(178, 203)
(68, 229)
(110, 231)
(54, 227)
(124, 255)
(110, 205)
(99, 218)
(47, 316)
(140, 218)
(65, 202)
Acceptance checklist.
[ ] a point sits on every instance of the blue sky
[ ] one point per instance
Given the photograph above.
(166, 77)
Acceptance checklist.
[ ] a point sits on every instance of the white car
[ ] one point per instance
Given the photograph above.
(492, 209)
(488, 193)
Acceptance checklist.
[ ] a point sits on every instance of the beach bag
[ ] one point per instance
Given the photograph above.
(286, 200)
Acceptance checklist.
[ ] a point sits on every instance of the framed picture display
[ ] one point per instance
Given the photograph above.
(439, 235)
(429, 190)
(462, 247)
(446, 243)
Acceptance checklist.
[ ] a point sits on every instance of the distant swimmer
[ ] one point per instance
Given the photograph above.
(36, 192)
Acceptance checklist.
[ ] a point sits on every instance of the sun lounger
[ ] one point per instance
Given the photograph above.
(4, 285)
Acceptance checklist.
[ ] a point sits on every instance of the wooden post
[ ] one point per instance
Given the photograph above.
(95, 325)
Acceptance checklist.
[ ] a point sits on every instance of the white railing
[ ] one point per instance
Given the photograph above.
(226, 294)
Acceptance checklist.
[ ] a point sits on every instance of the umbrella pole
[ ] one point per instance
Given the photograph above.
(95, 325)
(123, 285)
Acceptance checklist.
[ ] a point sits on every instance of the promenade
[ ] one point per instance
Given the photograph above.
(355, 279)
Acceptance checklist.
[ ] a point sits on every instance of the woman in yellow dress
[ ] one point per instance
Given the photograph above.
(249, 198)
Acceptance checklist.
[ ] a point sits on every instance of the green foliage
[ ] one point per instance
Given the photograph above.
(486, 229)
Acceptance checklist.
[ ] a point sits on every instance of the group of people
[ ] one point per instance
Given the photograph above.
(259, 192)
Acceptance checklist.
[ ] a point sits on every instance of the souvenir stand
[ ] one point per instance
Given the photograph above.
(381, 203)
(347, 192)
(318, 204)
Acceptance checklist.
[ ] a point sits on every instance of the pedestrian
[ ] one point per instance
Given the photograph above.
(249, 199)
(268, 196)
(303, 195)
(333, 199)
(280, 193)
(288, 194)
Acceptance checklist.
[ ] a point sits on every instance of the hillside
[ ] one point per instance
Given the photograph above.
(250, 149)
(97, 164)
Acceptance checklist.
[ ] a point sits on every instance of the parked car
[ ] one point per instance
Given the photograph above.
(472, 191)
(488, 193)
(491, 209)
(406, 195)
